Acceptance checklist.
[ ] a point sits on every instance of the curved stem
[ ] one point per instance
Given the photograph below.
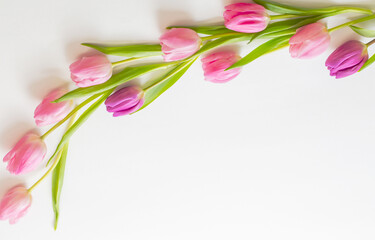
(114, 64)
(363, 19)
(76, 109)
(57, 160)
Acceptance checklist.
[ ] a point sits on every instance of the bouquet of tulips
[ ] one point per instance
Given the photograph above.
(273, 25)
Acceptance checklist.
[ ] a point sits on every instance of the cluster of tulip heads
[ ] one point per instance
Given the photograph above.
(181, 45)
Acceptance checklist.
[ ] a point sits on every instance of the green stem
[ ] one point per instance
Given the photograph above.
(84, 116)
(57, 160)
(76, 109)
(114, 64)
(283, 16)
(221, 35)
(370, 43)
(363, 19)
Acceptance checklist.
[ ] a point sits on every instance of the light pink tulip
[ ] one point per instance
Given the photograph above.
(15, 204)
(179, 43)
(309, 41)
(246, 17)
(26, 155)
(89, 71)
(214, 66)
(48, 113)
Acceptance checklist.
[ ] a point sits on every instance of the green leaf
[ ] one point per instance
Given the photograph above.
(78, 123)
(363, 31)
(286, 9)
(370, 61)
(266, 47)
(154, 91)
(223, 40)
(57, 182)
(139, 50)
(209, 30)
(125, 75)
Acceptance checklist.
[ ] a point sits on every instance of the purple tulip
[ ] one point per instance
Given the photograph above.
(125, 101)
(347, 59)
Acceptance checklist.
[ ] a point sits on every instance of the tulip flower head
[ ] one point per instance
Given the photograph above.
(246, 17)
(309, 41)
(89, 71)
(15, 204)
(179, 43)
(347, 59)
(125, 101)
(214, 66)
(26, 155)
(48, 113)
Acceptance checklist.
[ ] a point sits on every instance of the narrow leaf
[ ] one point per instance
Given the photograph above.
(129, 73)
(266, 47)
(223, 40)
(370, 61)
(139, 50)
(209, 30)
(57, 183)
(363, 31)
(154, 91)
(281, 8)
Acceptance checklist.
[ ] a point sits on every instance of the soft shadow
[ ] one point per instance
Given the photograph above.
(39, 89)
(8, 183)
(13, 133)
(168, 18)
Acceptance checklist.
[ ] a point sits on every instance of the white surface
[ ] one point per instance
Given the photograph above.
(282, 152)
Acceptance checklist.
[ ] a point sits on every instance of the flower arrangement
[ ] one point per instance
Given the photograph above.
(276, 25)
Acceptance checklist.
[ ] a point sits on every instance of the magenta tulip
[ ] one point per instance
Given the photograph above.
(246, 17)
(125, 101)
(26, 155)
(15, 204)
(179, 43)
(214, 66)
(48, 113)
(89, 71)
(309, 41)
(347, 59)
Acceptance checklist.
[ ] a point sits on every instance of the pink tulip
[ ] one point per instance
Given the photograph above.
(246, 17)
(15, 204)
(347, 59)
(89, 71)
(26, 155)
(179, 43)
(214, 66)
(309, 41)
(125, 101)
(48, 113)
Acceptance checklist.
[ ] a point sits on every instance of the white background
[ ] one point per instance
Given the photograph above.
(284, 151)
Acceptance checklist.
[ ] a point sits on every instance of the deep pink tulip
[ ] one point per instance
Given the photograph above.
(179, 43)
(125, 101)
(26, 155)
(309, 41)
(89, 71)
(48, 113)
(15, 204)
(214, 66)
(347, 59)
(246, 17)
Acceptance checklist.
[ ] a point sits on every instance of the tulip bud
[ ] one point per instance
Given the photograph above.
(48, 113)
(214, 66)
(347, 59)
(15, 204)
(309, 41)
(26, 155)
(246, 17)
(89, 71)
(125, 101)
(179, 43)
